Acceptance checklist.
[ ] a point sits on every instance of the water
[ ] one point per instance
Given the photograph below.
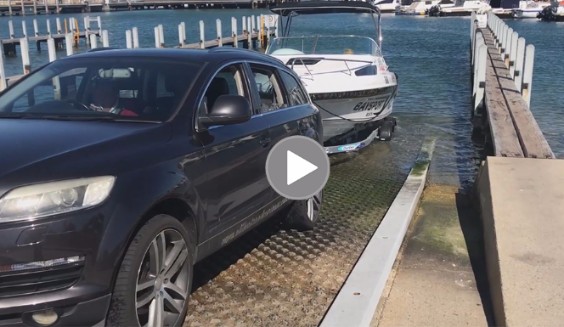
(430, 56)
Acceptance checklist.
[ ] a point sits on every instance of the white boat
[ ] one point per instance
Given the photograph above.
(529, 9)
(461, 8)
(345, 75)
(387, 6)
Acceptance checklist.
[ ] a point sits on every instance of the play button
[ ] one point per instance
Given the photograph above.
(297, 167)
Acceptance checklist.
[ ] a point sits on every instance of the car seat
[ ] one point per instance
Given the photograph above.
(218, 87)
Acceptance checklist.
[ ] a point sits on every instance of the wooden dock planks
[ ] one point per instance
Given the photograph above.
(515, 132)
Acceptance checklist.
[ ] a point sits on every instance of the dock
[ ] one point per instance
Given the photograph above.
(39, 7)
(519, 185)
(252, 32)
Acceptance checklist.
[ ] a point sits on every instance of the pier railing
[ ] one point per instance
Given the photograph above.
(503, 75)
(255, 33)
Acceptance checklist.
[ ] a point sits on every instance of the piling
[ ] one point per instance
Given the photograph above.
(234, 31)
(24, 48)
(202, 35)
(3, 83)
(51, 49)
(129, 42)
(135, 37)
(218, 28)
(105, 39)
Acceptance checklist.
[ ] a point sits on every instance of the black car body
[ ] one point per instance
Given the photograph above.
(88, 197)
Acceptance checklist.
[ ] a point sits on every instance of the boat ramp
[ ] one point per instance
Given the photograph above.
(351, 268)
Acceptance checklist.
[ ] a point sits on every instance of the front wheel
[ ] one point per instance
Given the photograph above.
(303, 214)
(155, 277)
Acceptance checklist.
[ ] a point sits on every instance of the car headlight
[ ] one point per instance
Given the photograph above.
(46, 199)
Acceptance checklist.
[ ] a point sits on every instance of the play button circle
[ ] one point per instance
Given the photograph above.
(297, 167)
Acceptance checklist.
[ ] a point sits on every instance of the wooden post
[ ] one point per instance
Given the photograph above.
(473, 41)
(244, 24)
(181, 34)
(234, 32)
(519, 63)
(218, 27)
(157, 35)
(479, 42)
(105, 39)
(24, 47)
(93, 41)
(86, 21)
(135, 37)
(249, 40)
(202, 35)
(11, 29)
(3, 83)
(161, 36)
(528, 73)
(99, 20)
(35, 28)
(261, 32)
(508, 39)
(502, 37)
(24, 28)
(513, 54)
(69, 43)
(59, 29)
(251, 24)
(129, 42)
(48, 22)
(51, 49)
(480, 81)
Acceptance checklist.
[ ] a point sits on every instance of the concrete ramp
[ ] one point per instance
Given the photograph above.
(522, 204)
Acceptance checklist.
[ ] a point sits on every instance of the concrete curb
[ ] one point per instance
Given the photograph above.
(356, 302)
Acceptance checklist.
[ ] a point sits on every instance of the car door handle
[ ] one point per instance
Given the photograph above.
(265, 141)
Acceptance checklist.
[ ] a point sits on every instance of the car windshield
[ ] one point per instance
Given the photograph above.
(101, 88)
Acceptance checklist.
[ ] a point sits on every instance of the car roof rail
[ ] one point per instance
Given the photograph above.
(102, 49)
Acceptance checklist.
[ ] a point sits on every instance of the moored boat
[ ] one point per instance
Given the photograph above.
(345, 75)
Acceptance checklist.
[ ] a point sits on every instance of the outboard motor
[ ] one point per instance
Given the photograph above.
(548, 14)
(434, 11)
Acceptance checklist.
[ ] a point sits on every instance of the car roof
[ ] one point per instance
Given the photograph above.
(214, 55)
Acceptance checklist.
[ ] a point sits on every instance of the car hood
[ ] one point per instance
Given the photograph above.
(26, 142)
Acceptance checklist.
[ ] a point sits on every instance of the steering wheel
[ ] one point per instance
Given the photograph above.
(78, 105)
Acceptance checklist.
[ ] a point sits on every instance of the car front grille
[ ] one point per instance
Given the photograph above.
(39, 277)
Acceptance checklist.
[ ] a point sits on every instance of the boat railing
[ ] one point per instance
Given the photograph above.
(303, 61)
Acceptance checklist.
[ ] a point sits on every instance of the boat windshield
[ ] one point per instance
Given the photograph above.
(318, 44)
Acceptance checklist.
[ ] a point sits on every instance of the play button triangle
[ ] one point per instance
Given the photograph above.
(297, 167)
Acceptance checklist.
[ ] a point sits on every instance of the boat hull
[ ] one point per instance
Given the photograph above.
(344, 111)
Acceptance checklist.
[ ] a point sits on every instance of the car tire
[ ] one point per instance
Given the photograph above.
(152, 286)
(303, 214)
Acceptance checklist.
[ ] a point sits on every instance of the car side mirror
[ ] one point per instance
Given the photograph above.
(227, 109)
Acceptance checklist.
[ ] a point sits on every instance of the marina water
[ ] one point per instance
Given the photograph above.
(430, 56)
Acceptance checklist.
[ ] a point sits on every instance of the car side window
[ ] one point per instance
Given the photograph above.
(228, 81)
(268, 88)
(296, 94)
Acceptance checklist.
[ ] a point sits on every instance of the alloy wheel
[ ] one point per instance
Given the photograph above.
(163, 281)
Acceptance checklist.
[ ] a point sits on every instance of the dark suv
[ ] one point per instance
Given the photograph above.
(120, 169)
